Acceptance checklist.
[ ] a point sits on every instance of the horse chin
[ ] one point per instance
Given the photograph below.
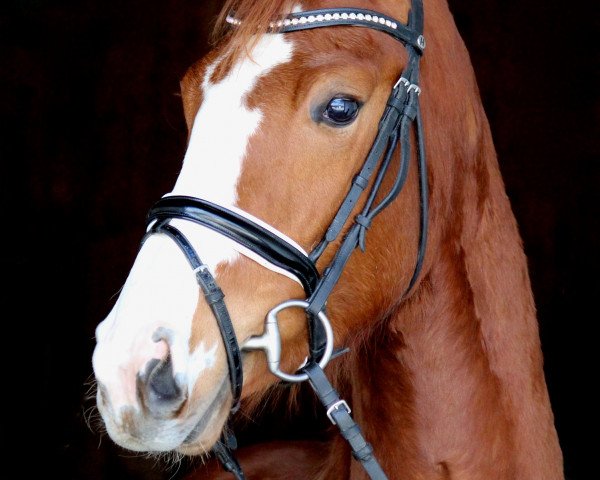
(201, 439)
(192, 431)
(208, 428)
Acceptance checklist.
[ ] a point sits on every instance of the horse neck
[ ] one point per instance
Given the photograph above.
(455, 380)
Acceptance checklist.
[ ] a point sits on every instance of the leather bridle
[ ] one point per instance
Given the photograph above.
(402, 111)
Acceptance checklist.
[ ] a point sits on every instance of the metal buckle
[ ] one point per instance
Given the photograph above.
(402, 81)
(409, 86)
(336, 406)
(202, 268)
(414, 87)
(270, 341)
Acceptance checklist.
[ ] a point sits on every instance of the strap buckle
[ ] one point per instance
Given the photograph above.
(335, 407)
(415, 87)
(408, 85)
(402, 81)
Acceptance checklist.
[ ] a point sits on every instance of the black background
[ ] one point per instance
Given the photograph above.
(92, 133)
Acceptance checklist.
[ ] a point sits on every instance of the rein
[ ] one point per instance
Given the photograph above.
(401, 112)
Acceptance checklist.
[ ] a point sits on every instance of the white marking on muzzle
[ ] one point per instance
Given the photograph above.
(161, 290)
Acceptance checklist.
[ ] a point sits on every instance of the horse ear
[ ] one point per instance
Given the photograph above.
(190, 98)
(186, 113)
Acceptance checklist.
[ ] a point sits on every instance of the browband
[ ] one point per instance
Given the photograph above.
(356, 17)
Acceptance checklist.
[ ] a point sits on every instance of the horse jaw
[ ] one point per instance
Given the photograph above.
(153, 319)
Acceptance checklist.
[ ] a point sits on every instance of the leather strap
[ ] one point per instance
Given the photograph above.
(387, 124)
(215, 298)
(355, 17)
(241, 230)
(338, 412)
(394, 128)
(424, 196)
(223, 449)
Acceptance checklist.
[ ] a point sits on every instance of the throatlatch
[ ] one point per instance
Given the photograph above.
(401, 111)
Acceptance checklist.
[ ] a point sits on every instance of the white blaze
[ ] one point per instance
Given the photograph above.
(161, 290)
(218, 143)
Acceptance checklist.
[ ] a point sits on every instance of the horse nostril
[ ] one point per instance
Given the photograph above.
(163, 394)
(161, 382)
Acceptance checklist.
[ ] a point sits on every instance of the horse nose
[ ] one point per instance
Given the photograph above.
(160, 390)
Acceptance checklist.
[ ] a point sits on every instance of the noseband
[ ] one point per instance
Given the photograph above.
(401, 112)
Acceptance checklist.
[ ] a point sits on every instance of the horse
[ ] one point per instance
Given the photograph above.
(340, 223)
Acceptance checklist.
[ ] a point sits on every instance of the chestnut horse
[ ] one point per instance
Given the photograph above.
(443, 370)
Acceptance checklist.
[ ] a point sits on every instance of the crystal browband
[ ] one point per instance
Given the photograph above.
(325, 18)
(342, 16)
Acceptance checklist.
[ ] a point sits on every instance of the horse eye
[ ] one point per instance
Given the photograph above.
(340, 111)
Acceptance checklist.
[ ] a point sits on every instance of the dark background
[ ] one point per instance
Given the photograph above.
(92, 134)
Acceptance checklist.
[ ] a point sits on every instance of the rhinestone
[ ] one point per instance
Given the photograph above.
(382, 21)
(287, 22)
(375, 18)
(345, 16)
(353, 16)
(311, 18)
(360, 16)
(336, 16)
(388, 23)
(303, 20)
(394, 25)
(319, 18)
(368, 17)
(327, 16)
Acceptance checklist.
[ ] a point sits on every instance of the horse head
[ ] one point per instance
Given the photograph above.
(276, 133)
(304, 179)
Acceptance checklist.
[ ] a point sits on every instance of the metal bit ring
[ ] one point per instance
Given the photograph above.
(270, 341)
